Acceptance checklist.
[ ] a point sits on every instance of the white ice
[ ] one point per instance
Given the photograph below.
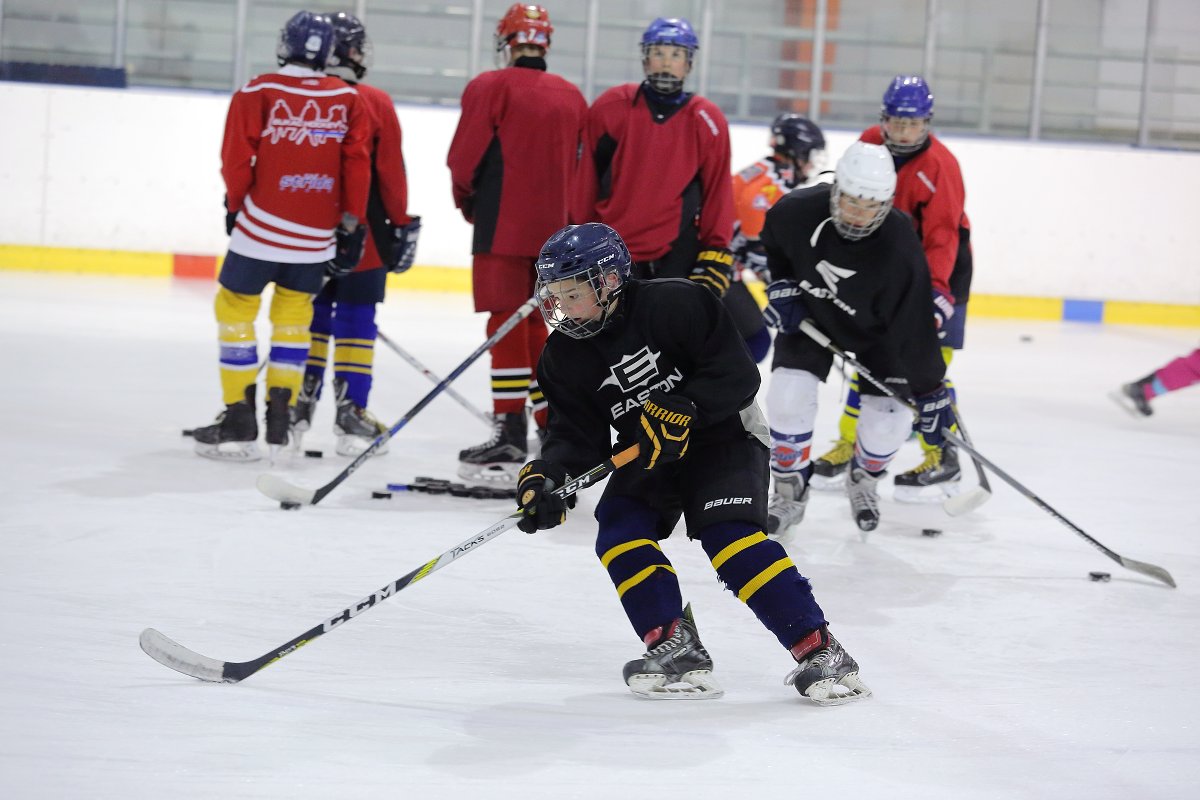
(999, 669)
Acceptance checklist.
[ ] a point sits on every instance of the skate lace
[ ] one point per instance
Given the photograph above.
(673, 642)
(841, 452)
(933, 460)
(863, 497)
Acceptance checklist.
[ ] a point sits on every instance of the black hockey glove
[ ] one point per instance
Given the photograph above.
(665, 425)
(750, 254)
(404, 246)
(943, 310)
(785, 310)
(714, 269)
(350, 242)
(540, 507)
(937, 414)
(230, 219)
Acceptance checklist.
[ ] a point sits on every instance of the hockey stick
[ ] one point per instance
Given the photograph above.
(421, 368)
(954, 506)
(288, 493)
(1156, 572)
(170, 653)
(966, 502)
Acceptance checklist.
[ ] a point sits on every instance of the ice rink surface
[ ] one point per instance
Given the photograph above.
(999, 669)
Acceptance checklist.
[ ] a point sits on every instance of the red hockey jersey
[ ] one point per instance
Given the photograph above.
(389, 180)
(639, 187)
(929, 188)
(514, 157)
(294, 159)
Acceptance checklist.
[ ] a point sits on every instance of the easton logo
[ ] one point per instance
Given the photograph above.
(633, 371)
(309, 126)
(831, 274)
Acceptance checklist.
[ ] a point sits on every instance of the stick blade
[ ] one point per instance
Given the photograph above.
(283, 491)
(1156, 572)
(966, 502)
(170, 653)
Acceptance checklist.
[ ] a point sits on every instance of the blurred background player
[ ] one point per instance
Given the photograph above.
(296, 172)
(841, 255)
(345, 307)
(512, 161)
(1177, 374)
(656, 166)
(797, 147)
(929, 188)
(689, 406)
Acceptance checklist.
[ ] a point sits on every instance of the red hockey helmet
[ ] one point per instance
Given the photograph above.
(524, 23)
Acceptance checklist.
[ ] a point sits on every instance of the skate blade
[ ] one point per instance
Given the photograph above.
(927, 495)
(838, 691)
(1126, 403)
(354, 446)
(698, 685)
(229, 451)
(500, 476)
(822, 483)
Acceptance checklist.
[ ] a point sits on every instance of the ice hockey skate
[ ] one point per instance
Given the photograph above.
(278, 417)
(862, 489)
(676, 666)
(355, 427)
(234, 435)
(306, 406)
(1132, 398)
(825, 673)
(931, 481)
(497, 461)
(829, 471)
(787, 504)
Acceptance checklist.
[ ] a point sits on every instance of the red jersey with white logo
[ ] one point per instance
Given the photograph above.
(652, 179)
(929, 188)
(294, 159)
(514, 156)
(389, 180)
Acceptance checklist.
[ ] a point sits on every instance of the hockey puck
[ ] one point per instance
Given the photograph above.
(188, 431)
(930, 532)
(314, 454)
(1101, 577)
(288, 505)
(1025, 337)
(381, 495)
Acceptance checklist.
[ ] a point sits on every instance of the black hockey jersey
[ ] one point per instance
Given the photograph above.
(669, 334)
(872, 295)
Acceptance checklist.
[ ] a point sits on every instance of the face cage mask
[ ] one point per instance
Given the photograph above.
(664, 82)
(849, 230)
(903, 149)
(552, 310)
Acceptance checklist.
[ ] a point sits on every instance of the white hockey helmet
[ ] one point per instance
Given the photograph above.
(864, 184)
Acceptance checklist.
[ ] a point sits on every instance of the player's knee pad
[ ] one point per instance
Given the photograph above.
(322, 316)
(759, 343)
(291, 309)
(792, 400)
(884, 424)
(354, 321)
(236, 310)
(641, 573)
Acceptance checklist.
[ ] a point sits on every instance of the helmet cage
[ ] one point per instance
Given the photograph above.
(907, 97)
(675, 32)
(581, 272)
(864, 173)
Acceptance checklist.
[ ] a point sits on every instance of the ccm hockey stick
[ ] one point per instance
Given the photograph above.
(421, 368)
(954, 506)
(170, 653)
(290, 495)
(1150, 570)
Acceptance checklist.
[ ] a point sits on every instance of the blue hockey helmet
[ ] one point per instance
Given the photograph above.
(796, 136)
(671, 30)
(581, 271)
(908, 97)
(351, 48)
(306, 38)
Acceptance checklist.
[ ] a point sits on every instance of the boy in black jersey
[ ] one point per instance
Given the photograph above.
(660, 362)
(844, 258)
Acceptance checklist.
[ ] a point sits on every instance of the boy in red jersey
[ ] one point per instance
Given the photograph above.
(296, 172)
(345, 307)
(512, 162)
(656, 166)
